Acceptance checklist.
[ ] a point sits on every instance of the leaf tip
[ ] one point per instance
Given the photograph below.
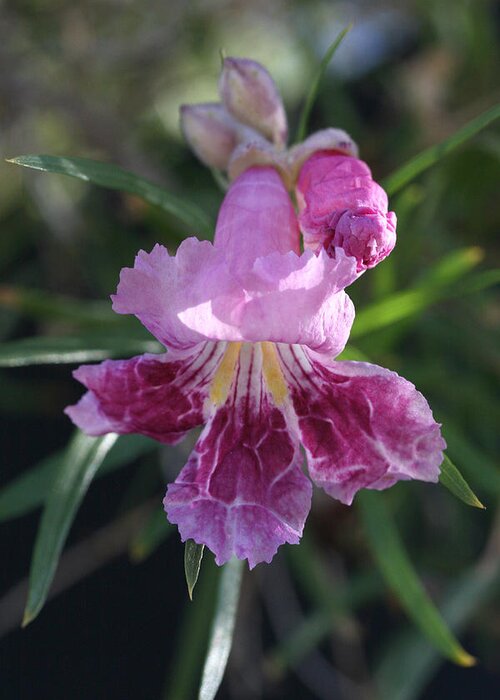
(137, 552)
(465, 659)
(29, 616)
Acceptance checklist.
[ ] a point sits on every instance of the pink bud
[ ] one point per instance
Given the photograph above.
(211, 132)
(251, 96)
(366, 234)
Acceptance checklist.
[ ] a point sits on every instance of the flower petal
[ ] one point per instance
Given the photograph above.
(160, 287)
(242, 491)
(256, 218)
(152, 395)
(362, 426)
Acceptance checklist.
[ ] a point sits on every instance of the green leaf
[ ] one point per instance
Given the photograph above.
(193, 555)
(39, 304)
(83, 457)
(154, 531)
(29, 490)
(191, 642)
(313, 90)
(438, 285)
(475, 463)
(455, 482)
(400, 576)
(406, 173)
(410, 661)
(221, 637)
(72, 350)
(115, 178)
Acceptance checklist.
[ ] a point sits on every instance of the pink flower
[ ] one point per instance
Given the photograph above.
(252, 328)
(341, 207)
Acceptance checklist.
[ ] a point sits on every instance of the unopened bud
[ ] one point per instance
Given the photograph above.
(211, 132)
(251, 96)
(367, 235)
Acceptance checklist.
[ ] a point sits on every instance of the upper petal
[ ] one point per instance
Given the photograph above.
(256, 218)
(198, 295)
(362, 426)
(152, 395)
(242, 491)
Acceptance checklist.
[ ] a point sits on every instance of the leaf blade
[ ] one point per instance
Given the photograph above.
(72, 350)
(452, 479)
(84, 456)
(193, 556)
(221, 636)
(313, 91)
(116, 178)
(154, 531)
(402, 579)
(430, 156)
(29, 490)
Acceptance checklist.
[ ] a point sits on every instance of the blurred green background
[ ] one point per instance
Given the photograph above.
(104, 79)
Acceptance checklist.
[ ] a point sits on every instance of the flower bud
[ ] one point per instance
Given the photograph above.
(366, 234)
(251, 96)
(211, 132)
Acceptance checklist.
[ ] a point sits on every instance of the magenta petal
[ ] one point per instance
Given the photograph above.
(362, 426)
(242, 491)
(256, 218)
(154, 396)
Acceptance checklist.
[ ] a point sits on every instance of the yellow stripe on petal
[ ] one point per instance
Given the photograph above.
(221, 383)
(272, 373)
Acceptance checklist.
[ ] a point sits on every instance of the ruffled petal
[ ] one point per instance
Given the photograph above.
(161, 287)
(198, 295)
(242, 491)
(362, 426)
(152, 395)
(256, 218)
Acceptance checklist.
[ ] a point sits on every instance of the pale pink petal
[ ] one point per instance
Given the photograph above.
(152, 395)
(341, 206)
(160, 288)
(242, 491)
(256, 218)
(251, 285)
(362, 426)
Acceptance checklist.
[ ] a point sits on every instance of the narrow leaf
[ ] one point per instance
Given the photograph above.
(191, 642)
(29, 490)
(115, 178)
(410, 661)
(455, 482)
(313, 91)
(440, 284)
(400, 576)
(154, 531)
(221, 637)
(193, 555)
(71, 350)
(406, 173)
(83, 457)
